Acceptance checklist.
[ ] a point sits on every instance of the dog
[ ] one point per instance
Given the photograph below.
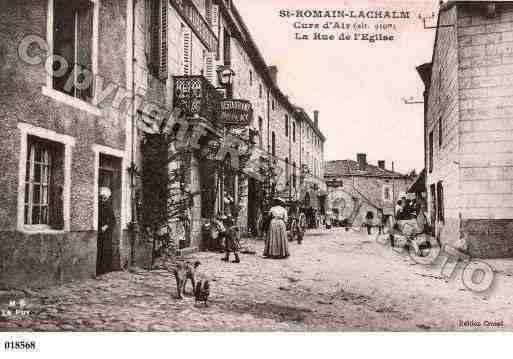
(185, 271)
(202, 290)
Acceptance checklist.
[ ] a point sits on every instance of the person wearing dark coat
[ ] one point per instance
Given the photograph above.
(106, 223)
(232, 241)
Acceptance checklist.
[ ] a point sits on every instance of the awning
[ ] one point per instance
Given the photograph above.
(419, 185)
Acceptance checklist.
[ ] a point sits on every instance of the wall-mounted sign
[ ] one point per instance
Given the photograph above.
(235, 112)
(196, 22)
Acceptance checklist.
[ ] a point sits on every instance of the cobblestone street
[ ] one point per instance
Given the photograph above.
(335, 280)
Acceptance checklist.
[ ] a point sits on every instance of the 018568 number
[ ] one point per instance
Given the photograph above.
(21, 345)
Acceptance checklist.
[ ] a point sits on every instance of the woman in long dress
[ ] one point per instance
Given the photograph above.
(276, 245)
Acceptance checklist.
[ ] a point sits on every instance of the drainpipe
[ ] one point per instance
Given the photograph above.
(133, 226)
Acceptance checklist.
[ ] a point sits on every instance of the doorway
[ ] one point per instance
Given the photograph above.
(255, 202)
(109, 214)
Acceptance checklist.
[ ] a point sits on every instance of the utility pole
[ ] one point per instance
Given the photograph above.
(393, 184)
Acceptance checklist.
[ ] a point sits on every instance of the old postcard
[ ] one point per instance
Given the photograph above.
(242, 165)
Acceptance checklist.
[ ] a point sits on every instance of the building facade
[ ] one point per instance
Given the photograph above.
(102, 93)
(467, 128)
(59, 144)
(357, 187)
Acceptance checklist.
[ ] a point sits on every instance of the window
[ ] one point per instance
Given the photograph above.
(72, 35)
(208, 11)
(260, 130)
(387, 193)
(430, 152)
(187, 51)
(273, 144)
(432, 191)
(440, 201)
(44, 184)
(156, 45)
(440, 133)
(294, 131)
(286, 126)
(250, 78)
(260, 91)
(226, 48)
(272, 104)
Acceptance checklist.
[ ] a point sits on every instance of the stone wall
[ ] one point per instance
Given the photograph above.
(443, 113)
(47, 258)
(486, 130)
(42, 260)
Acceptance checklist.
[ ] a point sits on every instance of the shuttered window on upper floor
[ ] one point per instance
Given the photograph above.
(156, 42)
(187, 51)
(209, 71)
(215, 26)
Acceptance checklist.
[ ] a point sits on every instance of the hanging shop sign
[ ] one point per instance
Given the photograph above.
(235, 112)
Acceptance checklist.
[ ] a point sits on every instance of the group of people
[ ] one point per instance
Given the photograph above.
(275, 224)
(407, 208)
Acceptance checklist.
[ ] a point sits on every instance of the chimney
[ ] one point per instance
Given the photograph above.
(273, 71)
(381, 165)
(362, 161)
(316, 119)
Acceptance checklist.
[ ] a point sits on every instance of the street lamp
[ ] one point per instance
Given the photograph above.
(225, 78)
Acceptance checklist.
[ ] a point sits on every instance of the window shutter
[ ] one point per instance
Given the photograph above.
(208, 11)
(187, 52)
(163, 40)
(209, 68)
(154, 35)
(215, 19)
(215, 26)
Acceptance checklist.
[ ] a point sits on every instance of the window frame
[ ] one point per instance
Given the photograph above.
(31, 164)
(68, 142)
(389, 188)
(434, 205)
(440, 206)
(125, 212)
(48, 89)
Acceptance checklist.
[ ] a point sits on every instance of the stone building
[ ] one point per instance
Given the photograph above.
(285, 133)
(357, 187)
(467, 127)
(59, 144)
(88, 98)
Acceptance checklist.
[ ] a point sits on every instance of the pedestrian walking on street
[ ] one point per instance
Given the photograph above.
(398, 212)
(368, 221)
(232, 241)
(379, 220)
(276, 245)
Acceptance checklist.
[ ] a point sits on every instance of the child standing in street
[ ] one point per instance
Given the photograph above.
(379, 220)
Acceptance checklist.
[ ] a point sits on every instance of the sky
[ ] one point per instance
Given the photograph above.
(357, 86)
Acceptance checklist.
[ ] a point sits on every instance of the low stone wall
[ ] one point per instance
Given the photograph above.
(489, 238)
(41, 260)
